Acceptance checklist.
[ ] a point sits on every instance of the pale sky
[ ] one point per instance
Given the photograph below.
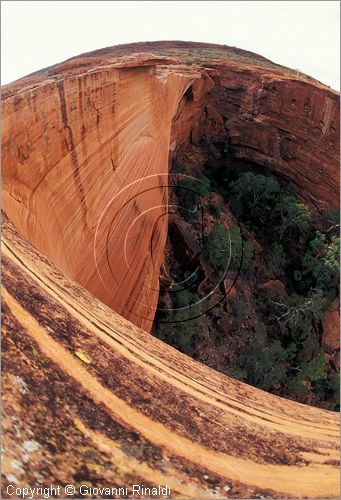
(303, 35)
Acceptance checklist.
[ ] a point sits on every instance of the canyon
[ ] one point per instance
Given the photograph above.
(86, 149)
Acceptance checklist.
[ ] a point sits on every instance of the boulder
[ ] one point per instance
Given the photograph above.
(274, 288)
(331, 329)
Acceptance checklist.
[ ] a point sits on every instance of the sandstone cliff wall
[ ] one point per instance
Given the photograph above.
(85, 162)
(86, 147)
(275, 120)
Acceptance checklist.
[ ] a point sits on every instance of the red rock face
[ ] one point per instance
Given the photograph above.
(288, 125)
(85, 162)
(86, 148)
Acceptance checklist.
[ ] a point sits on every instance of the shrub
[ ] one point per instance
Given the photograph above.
(314, 369)
(219, 247)
(293, 215)
(311, 371)
(214, 210)
(184, 298)
(260, 330)
(225, 247)
(183, 336)
(185, 333)
(322, 261)
(329, 222)
(253, 192)
(264, 363)
(178, 167)
(291, 351)
(277, 256)
(189, 192)
(333, 385)
(328, 389)
(248, 253)
(236, 372)
(295, 387)
(238, 308)
(296, 314)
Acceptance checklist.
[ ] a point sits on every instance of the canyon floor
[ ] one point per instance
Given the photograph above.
(244, 288)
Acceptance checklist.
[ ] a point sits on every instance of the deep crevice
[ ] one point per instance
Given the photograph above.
(241, 335)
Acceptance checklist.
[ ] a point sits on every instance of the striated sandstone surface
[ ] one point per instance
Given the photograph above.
(89, 396)
(275, 120)
(85, 163)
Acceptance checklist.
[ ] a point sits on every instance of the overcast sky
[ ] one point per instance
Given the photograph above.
(302, 35)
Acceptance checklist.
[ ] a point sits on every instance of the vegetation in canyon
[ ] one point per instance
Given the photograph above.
(277, 264)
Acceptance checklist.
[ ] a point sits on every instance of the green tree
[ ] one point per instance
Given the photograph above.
(238, 308)
(329, 222)
(311, 371)
(293, 215)
(253, 191)
(236, 372)
(295, 387)
(226, 248)
(314, 370)
(264, 363)
(297, 313)
(214, 210)
(322, 261)
(190, 192)
(277, 257)
(328, 389)
(184, 334)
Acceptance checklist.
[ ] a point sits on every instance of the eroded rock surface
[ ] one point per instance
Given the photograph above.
(273, 119)
(86, 146)
(85, 163)
(331, 328)
(88, 395)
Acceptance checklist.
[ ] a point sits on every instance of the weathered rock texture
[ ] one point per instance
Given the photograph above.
(272, 119)
(138, 410)
(88, 396)
(85, 161)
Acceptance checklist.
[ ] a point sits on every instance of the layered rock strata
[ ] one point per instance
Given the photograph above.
(88, 395)
(85, 163)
